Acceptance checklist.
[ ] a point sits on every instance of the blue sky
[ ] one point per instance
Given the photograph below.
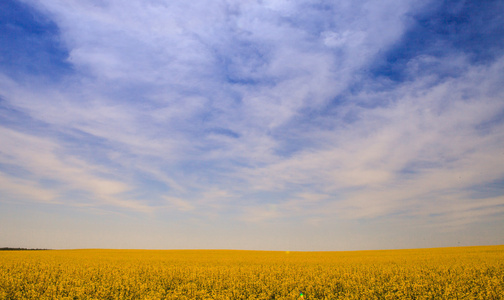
(275, 124)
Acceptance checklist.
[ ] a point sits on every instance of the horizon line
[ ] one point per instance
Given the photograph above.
(244, 250)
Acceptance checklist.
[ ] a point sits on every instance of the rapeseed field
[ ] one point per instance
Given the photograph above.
(443, 273)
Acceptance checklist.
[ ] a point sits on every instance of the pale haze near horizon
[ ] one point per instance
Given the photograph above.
(260, 125)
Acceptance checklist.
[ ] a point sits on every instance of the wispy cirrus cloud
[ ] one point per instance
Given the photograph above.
(257, 111)
(429, 141)
(56, 175)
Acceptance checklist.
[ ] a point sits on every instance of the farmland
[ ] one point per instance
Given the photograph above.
(441, 273)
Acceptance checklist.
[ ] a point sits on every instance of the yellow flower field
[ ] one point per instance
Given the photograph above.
(444, 273)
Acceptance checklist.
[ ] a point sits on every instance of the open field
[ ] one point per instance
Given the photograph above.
(444, 273)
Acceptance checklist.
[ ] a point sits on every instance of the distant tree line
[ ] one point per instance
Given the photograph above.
(18, 249)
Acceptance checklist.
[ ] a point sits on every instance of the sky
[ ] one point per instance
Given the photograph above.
(251, 124)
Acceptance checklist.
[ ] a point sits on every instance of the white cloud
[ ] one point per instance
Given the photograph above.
(15, 188)
(44, 160)
(154, 79)
(406, 155)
